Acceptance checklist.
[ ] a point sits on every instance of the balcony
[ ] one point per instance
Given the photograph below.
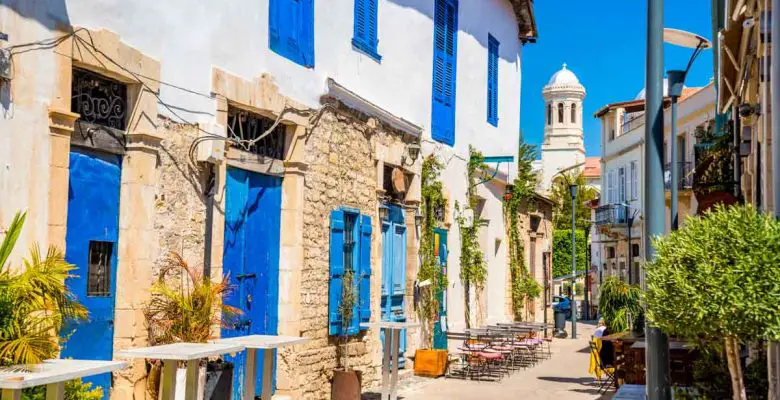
(685, 171)
(630, 124)
(611, 214)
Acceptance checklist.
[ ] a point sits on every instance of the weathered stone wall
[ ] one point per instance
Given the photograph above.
(180, 210)
(340, 152)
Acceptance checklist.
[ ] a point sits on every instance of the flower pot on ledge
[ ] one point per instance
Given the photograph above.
(346, 385)
(430, 363)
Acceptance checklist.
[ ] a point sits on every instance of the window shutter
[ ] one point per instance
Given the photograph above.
(492, 102)
(360, 20)
(399, 255)
(363, 279)
(306, 32)
(372, 19)
(444, 71)
(336, 271)
(291, 30)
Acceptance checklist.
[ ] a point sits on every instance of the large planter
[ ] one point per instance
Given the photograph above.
(346, 385)
(430, 363)
(709, 199)
(181, 382)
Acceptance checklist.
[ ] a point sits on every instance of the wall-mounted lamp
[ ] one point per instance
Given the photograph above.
(508, 192)
(418, 218)
(384, 212)
(413, 151)
(746, 110)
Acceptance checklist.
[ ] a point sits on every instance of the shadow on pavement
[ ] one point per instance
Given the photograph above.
(374, 396)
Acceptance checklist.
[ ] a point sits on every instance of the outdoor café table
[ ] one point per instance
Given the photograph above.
(630, 392)
(390, 373)
(261, 342)
(53, 374)
(171, 354)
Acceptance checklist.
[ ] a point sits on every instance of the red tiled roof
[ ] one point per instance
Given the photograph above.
(592, 167)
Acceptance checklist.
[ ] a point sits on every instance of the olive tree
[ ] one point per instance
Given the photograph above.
(716, 279)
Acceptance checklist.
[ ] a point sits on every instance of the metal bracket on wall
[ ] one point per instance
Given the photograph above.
(498, 160)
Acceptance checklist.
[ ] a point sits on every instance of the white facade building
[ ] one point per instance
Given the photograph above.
(398, 74)
(621, 249)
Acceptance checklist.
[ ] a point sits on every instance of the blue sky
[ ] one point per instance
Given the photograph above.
(603, 43)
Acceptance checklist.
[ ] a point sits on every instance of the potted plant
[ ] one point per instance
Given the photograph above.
(184, 308)
(427, 360)
(35, 306)
(713, 178)
(346, 383)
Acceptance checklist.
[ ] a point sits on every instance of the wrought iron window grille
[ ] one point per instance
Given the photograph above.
(99, 100)
(246, 126)
(99, 268)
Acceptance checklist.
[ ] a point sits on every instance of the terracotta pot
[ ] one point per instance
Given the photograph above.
(430, 363)
(345, 385)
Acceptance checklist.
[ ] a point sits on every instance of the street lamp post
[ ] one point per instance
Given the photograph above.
(676, 82)
(657, 350)
(573, 191)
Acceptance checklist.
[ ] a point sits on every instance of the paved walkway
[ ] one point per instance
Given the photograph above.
(562, 377)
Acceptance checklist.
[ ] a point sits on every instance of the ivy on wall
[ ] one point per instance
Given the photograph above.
(430, 270)
(473, 271)
(524, 287)
(562, 252)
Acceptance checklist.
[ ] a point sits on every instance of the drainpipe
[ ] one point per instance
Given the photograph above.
(208, 231)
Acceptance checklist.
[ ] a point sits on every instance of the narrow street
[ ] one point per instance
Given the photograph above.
(562, 377)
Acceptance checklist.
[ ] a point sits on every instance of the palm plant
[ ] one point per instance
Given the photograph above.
(620, 304)
(35, 303)
(185, 312)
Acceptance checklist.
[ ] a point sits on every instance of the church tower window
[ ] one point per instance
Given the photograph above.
(560, 113)
(573, 113)
(549, 114)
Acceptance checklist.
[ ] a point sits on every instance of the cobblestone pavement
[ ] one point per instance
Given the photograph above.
(564, 376)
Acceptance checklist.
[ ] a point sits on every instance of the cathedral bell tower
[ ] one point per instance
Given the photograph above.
(563, 145)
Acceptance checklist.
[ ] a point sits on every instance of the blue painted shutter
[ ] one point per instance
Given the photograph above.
(336, 271)
(364, 266)
(444, 71)
(399, 262)
(291, 30)
(492, 93)
(365, 29)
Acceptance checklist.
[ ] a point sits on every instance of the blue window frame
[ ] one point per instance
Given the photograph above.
(445, 54)
(365, 35)
(291, 30)
(350, 249)
(492, 81)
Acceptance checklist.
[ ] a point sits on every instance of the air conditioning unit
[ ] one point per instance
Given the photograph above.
(211, 149)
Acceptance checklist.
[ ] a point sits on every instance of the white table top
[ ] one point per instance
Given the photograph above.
(54, 371)
(264, 341)
(390, 325)
(181, 351)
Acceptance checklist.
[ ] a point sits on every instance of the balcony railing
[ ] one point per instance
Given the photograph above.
(685, 174)
(633, 123)
(611, 214)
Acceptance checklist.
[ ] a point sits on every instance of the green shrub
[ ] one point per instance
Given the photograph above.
(74, 390)
(715, 279)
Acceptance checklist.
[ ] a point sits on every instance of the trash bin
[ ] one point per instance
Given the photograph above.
(560, 323)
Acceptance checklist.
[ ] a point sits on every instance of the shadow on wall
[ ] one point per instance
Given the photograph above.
(52, 14)
(477, 20)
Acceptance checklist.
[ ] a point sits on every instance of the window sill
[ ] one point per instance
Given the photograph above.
(367, 50)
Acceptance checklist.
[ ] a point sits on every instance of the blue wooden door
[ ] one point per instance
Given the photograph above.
(439, 329)
(251, 258)
(394, 272)
(91, 245)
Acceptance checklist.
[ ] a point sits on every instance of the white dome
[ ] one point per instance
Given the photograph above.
(564, 77)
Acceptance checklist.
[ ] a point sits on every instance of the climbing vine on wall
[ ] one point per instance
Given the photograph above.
(524, 287)
(473, 271)
(430, 270)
